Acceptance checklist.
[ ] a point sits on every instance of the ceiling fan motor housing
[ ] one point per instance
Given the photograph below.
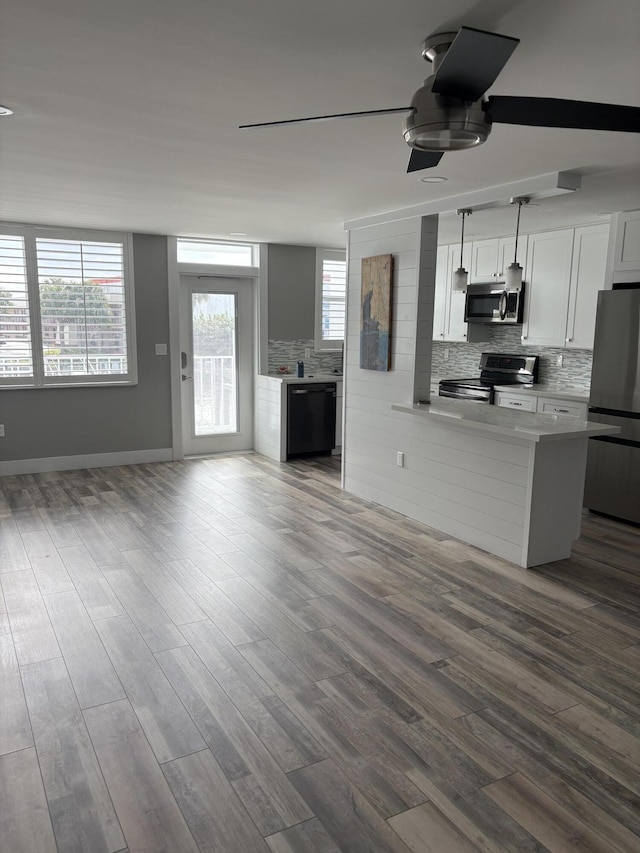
(444, 123)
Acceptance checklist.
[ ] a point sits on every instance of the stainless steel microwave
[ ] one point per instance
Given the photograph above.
(494, 303)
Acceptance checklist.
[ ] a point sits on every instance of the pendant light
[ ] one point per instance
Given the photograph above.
(460, 275)
(514, 270)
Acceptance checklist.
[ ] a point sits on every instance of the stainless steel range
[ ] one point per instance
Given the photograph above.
(495, 369)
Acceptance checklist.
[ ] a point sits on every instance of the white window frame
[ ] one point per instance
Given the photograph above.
(334, 345)
(185, 266)
(39, 380)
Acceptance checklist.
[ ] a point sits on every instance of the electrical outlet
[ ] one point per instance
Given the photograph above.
(307, 352)
(400, 459)
(559, 360)
(1, 430)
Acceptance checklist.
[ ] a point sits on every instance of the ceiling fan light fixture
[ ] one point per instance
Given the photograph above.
(439, 123)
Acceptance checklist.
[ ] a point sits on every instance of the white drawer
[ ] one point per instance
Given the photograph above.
(569, 409)
(523, 404)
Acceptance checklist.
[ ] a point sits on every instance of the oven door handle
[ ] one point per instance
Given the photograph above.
(457, 396)
(503, 305)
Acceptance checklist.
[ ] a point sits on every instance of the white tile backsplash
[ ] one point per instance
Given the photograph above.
(464, 358)
(288, 353)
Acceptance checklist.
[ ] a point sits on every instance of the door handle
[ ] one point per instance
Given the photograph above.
(186, 377)
(503, 305)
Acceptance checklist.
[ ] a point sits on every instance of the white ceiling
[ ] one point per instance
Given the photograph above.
(126, 112)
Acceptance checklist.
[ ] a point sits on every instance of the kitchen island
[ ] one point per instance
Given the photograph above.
(515, 486)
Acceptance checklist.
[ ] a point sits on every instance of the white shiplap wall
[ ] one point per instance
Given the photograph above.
(474, 488)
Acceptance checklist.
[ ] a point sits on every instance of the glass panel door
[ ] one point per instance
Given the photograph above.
(216, 364)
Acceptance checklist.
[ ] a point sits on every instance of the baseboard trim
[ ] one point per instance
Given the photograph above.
(89, 460)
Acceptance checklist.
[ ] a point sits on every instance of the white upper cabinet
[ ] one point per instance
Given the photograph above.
(588, 272)
(563, 272)
(624, 248)
(491, 258)
(547, 291)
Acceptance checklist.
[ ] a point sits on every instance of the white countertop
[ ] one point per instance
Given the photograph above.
(289, 378)
(555, 390)
(494, 419)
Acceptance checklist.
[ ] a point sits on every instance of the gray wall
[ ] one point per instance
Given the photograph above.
(43, 422)
(292, 279)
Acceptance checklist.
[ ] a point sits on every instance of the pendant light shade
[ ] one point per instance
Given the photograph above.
(460, 276)
(513, 278)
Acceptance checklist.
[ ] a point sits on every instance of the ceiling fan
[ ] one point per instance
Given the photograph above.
(448, 112)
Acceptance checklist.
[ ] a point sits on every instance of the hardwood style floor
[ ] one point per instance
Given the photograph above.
(231, 655)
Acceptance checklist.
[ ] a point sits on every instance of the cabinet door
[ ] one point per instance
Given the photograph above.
(588, 271)
(484, 261)
(455, 327)
(441, 293)
(627, 244)
(506, 248)
(547, 293)
(566, 408)
(522, 404)
(338, 414)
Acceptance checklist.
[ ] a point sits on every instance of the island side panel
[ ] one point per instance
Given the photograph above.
(556, 486)
(469, 486)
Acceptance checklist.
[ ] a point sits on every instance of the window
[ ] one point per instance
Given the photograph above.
(66, 308)
(331, 289)
(213, 252)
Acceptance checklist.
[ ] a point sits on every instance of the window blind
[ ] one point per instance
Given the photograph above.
(15, 330)
(82, 307)
(334, 282)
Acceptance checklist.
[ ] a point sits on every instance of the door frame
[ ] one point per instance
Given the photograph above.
(242, 438)
(259, 296)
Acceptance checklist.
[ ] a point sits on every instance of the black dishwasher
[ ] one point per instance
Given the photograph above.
(311, 418)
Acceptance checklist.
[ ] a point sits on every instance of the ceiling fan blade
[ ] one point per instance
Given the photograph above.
(327, 118)
(423, 159)
(472, 63)
(557, 112)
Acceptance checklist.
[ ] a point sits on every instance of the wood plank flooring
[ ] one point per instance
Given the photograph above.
(233, 655)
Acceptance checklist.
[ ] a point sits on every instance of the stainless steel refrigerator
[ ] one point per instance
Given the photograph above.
(613, 465)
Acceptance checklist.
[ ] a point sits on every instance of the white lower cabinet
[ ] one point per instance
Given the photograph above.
(541, 405)
(569, 408)
(512, 401)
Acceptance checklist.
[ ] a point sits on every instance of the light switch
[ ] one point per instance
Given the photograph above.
(161, 349)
